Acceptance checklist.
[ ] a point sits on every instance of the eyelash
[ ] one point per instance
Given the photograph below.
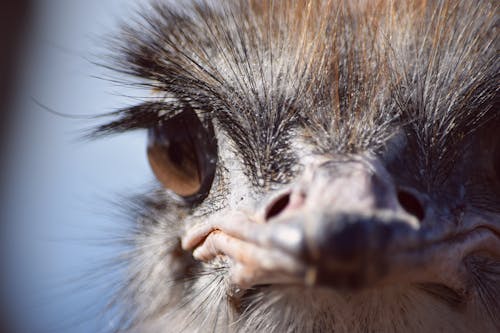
(143, 116)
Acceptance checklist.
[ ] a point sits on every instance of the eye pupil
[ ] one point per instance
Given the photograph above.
(175, 155)
(182, 154)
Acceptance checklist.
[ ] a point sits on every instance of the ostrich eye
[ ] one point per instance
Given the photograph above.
(490, 144)
(182, 153)
(496, 162)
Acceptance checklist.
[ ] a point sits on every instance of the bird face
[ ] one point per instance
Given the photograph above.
(323, 166)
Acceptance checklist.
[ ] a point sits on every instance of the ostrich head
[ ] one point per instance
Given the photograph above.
(321, 165)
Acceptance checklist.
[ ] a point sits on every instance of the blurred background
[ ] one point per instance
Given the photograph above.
(57, 189)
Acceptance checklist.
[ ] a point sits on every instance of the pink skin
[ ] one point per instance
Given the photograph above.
(244, 241)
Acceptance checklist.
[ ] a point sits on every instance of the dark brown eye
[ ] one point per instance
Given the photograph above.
(496, 161)
(182, 152)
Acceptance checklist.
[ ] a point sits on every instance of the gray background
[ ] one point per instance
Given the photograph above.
(58, 216)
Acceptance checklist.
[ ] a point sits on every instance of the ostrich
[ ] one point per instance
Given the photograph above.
(322, 166)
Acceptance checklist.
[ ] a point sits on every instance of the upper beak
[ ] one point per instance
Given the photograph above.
(349, 220)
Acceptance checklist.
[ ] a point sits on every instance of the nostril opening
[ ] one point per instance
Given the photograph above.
(411, 204)
(277, 206)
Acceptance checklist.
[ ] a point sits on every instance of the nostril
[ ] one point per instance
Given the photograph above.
(411, 204)
(277, 206)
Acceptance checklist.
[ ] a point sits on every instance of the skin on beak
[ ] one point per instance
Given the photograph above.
(341, 226)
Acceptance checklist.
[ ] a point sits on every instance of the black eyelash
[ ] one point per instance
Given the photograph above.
(142, 116)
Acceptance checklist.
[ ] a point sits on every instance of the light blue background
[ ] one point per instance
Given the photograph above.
(58, 216)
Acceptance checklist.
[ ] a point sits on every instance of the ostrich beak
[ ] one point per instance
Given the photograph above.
(343, 225)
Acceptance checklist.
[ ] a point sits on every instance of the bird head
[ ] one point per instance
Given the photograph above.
(321, 165)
